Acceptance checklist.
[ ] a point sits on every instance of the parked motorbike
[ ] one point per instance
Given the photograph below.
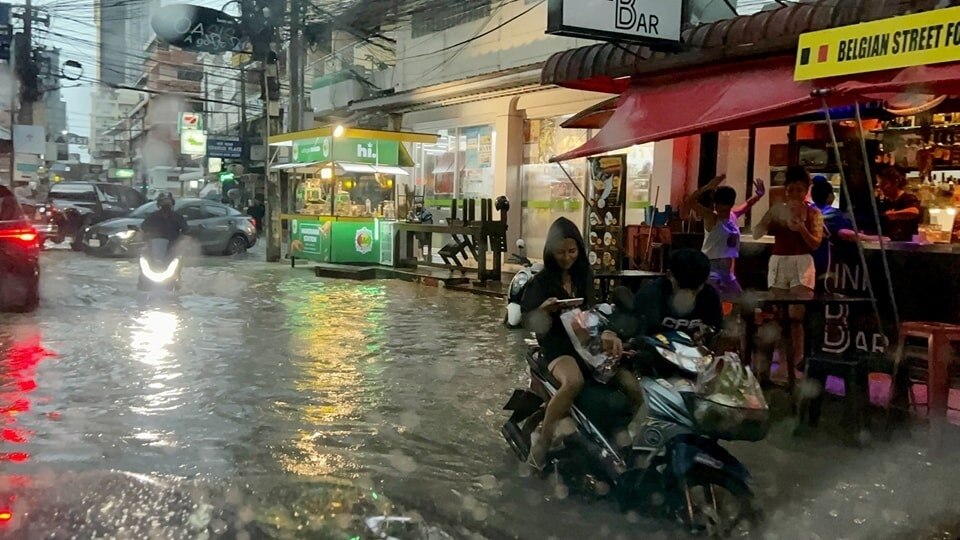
(514, 317)
(670, 465)
(159, 266)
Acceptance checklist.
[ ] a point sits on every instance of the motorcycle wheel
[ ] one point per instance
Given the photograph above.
(707, 498)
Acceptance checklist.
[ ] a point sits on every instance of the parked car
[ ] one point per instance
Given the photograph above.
(41, 216)
(19, 257)
(218, 228)
(78, 205)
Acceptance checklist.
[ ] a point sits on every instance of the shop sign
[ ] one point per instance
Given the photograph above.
(189, 121)
(363, 241)
(199, 28)
(311, 150)
(122, 174)
(931, 37)
(369, 151)
(224, 147)
(639, 21)
(309, 239)
(193, 143)
(607, 181)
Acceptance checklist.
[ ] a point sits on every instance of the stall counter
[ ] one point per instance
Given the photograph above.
(340, 239)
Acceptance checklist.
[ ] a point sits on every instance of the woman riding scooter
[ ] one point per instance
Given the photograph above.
(565, 282)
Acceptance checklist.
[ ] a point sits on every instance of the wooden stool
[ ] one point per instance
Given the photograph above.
(940, 339)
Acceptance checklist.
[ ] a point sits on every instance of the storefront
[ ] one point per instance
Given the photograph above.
(503, 145)
(349, 187)
(783, 118)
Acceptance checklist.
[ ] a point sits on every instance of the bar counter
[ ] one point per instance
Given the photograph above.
(926, 278)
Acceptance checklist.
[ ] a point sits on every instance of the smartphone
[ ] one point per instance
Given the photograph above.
(570, 302)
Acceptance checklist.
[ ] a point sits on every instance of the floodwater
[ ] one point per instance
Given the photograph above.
(263, 402)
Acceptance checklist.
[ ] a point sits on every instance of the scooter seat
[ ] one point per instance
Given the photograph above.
(605, 405)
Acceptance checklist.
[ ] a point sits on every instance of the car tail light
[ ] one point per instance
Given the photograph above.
(24, 235)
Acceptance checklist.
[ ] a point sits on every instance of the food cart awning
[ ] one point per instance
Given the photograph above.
(289, 166)
(738, 99)
(364, 168)
(287, 139)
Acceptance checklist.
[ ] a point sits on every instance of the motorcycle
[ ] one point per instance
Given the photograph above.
(670, 464)
(159, 266)
(514, 317)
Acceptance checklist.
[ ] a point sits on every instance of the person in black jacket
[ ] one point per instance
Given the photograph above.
(164, 223)
(681, 301)
(566, 275)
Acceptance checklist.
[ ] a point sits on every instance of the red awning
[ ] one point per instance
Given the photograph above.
(749, 95)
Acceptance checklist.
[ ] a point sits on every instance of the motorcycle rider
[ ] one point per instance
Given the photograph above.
(683, 300)
(566, 275)
(164, 223)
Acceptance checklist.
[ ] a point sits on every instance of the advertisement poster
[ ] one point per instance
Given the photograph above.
(486, 147)
(606, 176)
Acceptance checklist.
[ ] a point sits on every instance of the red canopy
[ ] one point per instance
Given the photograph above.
(745, 96)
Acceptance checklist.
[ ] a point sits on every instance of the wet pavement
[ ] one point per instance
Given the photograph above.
(264, 402)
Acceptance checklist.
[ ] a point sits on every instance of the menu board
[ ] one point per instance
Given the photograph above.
(607, 175)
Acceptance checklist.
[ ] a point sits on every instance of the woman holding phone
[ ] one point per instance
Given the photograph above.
(565, 282)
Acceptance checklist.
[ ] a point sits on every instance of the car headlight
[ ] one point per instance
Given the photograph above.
(126, 235)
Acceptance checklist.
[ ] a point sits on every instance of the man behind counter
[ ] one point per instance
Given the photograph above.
(900, 213)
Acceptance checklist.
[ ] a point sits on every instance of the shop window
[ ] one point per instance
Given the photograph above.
(459, 165)
(437, 20)
(547, 193)
(733, 149)
(475, 179)
(437, 168)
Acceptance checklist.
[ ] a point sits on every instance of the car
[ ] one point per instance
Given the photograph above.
(19, 257)
(78, 205)
(218, 228)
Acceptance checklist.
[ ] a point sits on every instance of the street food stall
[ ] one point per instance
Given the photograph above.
(348, 189)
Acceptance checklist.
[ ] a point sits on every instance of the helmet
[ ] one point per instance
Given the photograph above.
(502, 204)
(165, 200)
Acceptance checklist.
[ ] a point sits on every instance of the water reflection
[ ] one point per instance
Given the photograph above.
(151, 337)
(332, 332)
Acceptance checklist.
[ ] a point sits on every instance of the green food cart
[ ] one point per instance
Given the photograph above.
(349, 191)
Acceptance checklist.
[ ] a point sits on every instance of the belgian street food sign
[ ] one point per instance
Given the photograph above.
(931, 37)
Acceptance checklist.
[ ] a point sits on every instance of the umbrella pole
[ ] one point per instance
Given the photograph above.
(876, 217)
(853, 218)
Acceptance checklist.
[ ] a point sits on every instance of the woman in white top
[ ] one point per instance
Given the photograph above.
(721, 243)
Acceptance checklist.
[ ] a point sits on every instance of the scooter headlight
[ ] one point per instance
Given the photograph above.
(159, 277)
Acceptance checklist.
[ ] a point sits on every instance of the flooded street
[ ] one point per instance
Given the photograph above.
(265, 402)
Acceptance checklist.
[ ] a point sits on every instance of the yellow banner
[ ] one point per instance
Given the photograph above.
(932, 37)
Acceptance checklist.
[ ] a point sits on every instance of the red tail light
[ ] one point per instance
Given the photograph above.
(6, 515)
(24, 235)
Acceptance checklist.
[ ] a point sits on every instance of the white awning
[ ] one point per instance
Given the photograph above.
(362, 168)
(289, 166)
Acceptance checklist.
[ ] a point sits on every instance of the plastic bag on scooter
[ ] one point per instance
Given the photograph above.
(585, 327)
(728, 402)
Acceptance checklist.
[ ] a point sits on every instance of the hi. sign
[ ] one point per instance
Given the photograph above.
(198, 28)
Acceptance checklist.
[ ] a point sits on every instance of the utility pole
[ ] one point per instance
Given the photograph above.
(259, 20)
(26, 109)
(294, 60)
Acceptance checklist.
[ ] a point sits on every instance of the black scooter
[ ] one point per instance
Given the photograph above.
(671, 465)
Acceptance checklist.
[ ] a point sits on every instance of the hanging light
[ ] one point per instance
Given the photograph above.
(326, 173)
(339, 131)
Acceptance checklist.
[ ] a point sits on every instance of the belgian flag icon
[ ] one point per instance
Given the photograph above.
(823, 54)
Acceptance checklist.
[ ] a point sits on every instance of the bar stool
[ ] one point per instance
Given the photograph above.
(940, 339)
